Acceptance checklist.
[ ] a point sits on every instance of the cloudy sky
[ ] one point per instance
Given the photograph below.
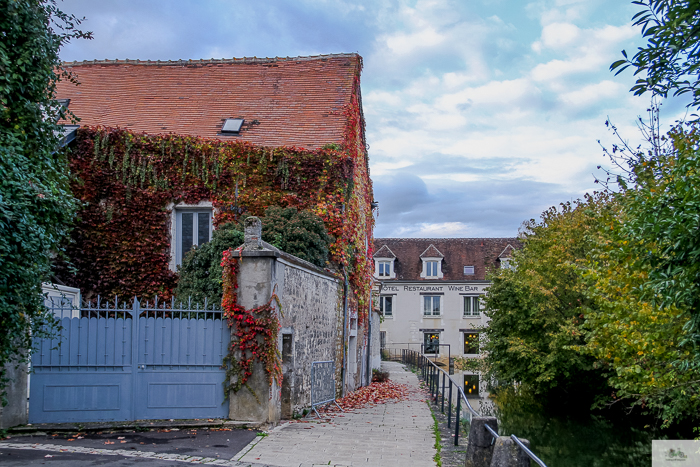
(480, 113)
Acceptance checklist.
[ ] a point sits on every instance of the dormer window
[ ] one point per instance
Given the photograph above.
(384, 263)
(432, 263)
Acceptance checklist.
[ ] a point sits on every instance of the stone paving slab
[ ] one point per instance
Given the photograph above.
(386, 435)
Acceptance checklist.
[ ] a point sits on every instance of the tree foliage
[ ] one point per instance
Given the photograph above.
(36, 206)
(299, 233)
(646, 278)
(669, 60)
(537, 308)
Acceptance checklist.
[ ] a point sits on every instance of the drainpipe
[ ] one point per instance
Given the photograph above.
(369, 342)
(345, 326)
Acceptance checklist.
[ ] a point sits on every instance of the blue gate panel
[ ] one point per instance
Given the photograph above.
(180, 394)
(85, 398)
(62, 397)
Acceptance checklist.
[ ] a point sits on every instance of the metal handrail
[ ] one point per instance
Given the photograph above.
(462, 396)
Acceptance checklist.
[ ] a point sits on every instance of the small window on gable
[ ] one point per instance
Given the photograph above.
(431, 268)
(468, 270)
(384, 268)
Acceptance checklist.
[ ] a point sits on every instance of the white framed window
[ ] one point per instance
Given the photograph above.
(469, 270)
(431, 342)
(472, 305)
(386, 305)
(505, 263)
(431, 268)
(432, 305)
(384, 268)
(193, 227)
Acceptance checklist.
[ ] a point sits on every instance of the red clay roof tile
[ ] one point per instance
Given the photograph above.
(297, 101)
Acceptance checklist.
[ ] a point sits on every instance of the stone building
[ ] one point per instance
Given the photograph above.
(430, 296)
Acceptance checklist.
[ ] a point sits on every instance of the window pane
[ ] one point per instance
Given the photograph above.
(431, 343)
(436, 305)
(471, 385)
(202, 228)
(427, 303)
(388, 309)
(187, 232)
(467, 306)
(471, 342)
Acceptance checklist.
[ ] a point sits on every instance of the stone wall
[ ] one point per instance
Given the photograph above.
(15, 412)
(311, 311)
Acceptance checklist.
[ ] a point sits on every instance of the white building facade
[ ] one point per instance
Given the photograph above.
(430, 297)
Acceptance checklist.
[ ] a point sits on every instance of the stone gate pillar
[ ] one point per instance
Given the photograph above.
(256, 278)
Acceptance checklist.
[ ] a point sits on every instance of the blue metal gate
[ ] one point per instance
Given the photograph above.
(117, 362)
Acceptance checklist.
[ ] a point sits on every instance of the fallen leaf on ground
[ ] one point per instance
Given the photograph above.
(109, 442)
(375, 393)
(121, 437)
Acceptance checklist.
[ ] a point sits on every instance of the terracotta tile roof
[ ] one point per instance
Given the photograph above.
(431, 252)
(285, 101)
(384, 252)
(482, 253)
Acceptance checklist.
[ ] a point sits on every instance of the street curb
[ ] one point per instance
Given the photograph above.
(132, 425)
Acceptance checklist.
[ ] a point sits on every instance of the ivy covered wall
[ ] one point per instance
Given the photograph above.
(126, 181)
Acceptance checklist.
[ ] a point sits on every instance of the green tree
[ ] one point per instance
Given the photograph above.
(670, 58)
(646, 278)
(537, 309)
(36, 206)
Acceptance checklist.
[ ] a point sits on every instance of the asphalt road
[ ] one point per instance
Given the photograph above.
(213, 443)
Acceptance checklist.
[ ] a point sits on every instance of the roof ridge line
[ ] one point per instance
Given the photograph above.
(203, 61)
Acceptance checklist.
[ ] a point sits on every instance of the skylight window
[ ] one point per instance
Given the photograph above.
(232, 125)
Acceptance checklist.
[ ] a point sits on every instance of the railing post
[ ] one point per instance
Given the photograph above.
(449, 406)
(457, 413)
(442, 409)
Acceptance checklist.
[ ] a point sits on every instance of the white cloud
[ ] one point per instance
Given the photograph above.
(593, 93)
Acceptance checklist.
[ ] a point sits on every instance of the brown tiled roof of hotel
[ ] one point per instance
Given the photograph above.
(482, 253)
(296, 101)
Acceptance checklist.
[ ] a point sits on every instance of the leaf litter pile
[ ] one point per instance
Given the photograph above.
(369, 396)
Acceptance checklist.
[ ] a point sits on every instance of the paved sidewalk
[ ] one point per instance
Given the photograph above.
(388, 435)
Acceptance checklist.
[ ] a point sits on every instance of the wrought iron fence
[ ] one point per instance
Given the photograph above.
(440, 391)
